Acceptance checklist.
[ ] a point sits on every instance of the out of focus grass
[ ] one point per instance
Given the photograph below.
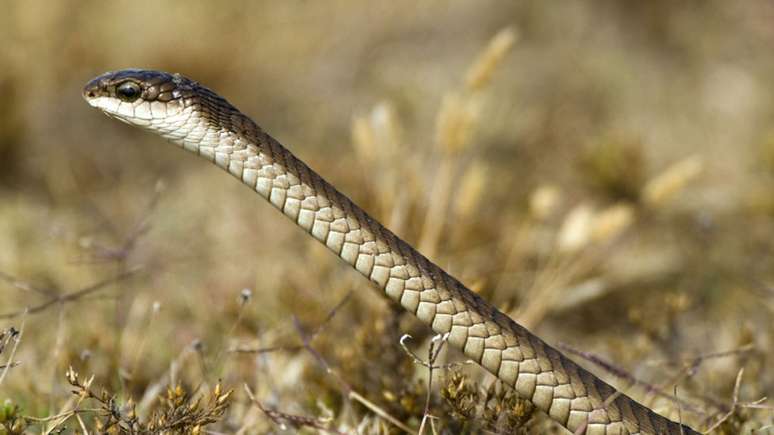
(601, 171)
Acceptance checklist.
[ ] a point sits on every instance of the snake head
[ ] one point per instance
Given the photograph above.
(138, 96)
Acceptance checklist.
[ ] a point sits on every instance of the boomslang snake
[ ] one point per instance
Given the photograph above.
(195, 118)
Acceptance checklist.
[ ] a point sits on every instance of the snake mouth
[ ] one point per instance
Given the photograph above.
(92, 100)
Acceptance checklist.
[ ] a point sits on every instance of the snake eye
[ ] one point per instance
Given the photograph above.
(128, 91)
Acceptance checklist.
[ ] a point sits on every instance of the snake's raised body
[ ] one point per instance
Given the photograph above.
(192, 116)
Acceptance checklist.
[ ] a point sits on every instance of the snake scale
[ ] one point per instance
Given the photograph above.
(200, 121)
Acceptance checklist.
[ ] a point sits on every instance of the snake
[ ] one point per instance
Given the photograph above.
(197, 119)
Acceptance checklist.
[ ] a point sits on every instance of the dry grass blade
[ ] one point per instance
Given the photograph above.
(671, 181)
(454, 127)
(480, 73)
(5, 338)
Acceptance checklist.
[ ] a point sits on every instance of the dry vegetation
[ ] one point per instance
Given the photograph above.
(603, 173)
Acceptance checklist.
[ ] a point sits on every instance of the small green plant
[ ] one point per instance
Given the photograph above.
(11, 420)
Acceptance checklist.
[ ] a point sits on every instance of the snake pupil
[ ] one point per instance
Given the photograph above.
(128, 91)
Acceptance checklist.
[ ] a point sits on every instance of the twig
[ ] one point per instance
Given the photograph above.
(72, 296)
(694, 362)
(331, 314)
(263, 350)
(102, 253)
(56, 352)
(436, 345)
(24, 285)
(418, 360)
(143, 341)
(244, 297)
(281, 418)
(691, 365)
(317, 356)
(625, 375)
(66, 414)
(379, 411)
(679, 413)
(6, 336)
(198, 346)
(735, 404)
(17, 336)
(82, 424)
(432, 356)
(168, 378)
(347, 389)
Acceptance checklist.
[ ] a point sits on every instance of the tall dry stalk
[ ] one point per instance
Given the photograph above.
(455, 126)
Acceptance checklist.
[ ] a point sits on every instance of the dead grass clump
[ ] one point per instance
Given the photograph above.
(494, 408)
(178, 410)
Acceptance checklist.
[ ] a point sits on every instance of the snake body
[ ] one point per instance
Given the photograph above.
(200, 121)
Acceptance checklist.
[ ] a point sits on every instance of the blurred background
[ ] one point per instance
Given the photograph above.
(602, 171)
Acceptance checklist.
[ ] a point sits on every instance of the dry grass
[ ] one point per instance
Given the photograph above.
(602, 173)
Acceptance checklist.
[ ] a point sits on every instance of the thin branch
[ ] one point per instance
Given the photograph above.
(625, 375)
(24, 285)
(694, 362)
(430, 365)
(72, 296)
(735, 404)
(262, 350)
(6, 336)
(679, 413)
(432, 356)
(331, 314)
(65, 414)
(16, 336)
(379, 411)
(691, 365)
(103, 253)
(244, 297)
(282, 419)
(348, 390)
(317, 356)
